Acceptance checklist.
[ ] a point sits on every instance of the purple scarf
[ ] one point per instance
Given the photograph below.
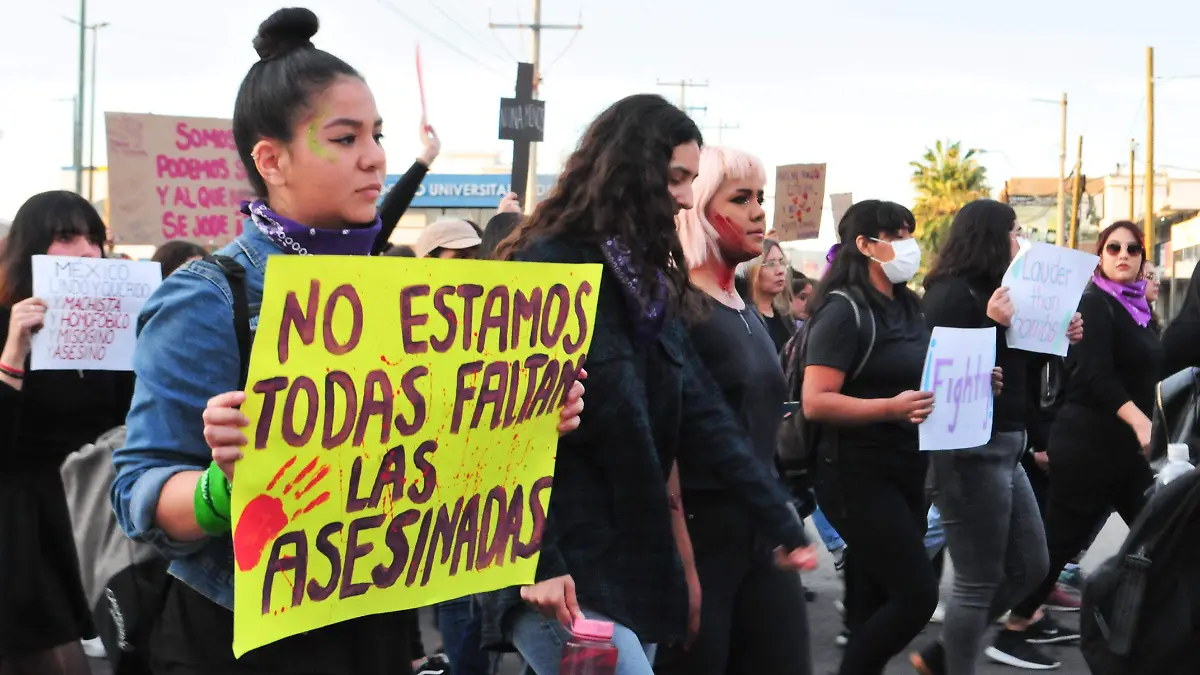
(648, 306)
(833, 251)
(1131, 296)
(294, 238)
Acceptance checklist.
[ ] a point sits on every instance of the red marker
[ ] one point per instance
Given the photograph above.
(421, 84)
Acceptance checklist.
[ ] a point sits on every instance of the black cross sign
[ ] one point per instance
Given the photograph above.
(522, 121)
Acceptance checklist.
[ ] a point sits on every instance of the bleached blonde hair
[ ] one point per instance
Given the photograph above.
(717, 165)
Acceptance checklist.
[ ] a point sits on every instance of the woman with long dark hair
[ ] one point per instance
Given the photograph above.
(1100, 437)
(608, 548)
(748, 602)
(45, 415)
(862, 361)
(308, 131)
(989, 512)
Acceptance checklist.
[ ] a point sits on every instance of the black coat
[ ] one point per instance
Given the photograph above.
(609, 524)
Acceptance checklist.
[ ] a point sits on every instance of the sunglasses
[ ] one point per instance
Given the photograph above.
(1114, 248)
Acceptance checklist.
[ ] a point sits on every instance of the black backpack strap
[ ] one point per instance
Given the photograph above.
(866, 342)
(235, 274)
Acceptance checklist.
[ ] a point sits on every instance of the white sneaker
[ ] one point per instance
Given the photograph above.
(94, 648)
(939, 613)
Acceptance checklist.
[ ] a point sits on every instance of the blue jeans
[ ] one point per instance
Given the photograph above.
(460, 627)
(540, 641)
(935, 536)
(831, 538)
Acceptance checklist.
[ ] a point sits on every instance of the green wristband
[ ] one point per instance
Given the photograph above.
(220, 493)
(207, 516)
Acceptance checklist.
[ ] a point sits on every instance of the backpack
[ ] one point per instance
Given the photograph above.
(1141, 608)
(795, 442)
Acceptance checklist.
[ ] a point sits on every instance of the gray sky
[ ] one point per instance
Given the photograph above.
(864, 85)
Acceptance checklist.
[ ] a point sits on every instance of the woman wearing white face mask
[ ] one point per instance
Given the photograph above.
(865, 349)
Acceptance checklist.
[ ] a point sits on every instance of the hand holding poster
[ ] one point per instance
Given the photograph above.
(92, 310)
(958, 370)
(1045, 284)
(404, 434)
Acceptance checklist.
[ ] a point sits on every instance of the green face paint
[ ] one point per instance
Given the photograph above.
(314, 144)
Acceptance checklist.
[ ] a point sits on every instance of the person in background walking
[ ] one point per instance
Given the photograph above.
(609, 549)
(1153, 279)
(769, 292)
(45, 415)
(747, 601)
(863, 401)
(802, 288)
(175, 254)
(456, 239)
(988, 510)
(1097, 446)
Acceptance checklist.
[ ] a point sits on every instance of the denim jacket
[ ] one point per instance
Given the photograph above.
(186, 353)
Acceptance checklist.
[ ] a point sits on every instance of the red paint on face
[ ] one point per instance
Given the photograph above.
(261, 522)
(732, 235)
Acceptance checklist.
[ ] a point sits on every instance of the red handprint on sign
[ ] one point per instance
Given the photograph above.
(265, 516)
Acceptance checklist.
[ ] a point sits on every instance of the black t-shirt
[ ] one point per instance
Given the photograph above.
(950, 303)
(778, 330)
(895, 364)
(1117, 361)
(738, 352)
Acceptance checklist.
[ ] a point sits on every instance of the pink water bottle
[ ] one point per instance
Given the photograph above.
(590, 651)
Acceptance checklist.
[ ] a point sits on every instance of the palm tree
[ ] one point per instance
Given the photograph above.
(945, 179)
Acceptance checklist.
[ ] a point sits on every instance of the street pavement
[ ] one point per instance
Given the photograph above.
(825, 622)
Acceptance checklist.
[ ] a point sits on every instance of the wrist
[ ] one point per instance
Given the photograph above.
(14, 356)
(426, 159)
(213, 503)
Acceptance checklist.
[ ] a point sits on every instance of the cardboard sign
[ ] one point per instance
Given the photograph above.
(799, 196)
(174, 178)
(93, 308)
(840, 203)
(958, 370)
(404, 422)
(1045, 283)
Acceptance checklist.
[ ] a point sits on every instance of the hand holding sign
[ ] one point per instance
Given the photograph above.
(431, 145)
(913, 406)
(960, 371)
(25, 317)
(1000, 307)
(1045, 284)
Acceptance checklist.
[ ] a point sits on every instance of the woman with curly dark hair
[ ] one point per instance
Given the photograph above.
(608, 549)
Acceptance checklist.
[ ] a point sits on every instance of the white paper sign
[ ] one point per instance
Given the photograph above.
(958, 370)
(1045, 284)
(93, 305)
(841, 203)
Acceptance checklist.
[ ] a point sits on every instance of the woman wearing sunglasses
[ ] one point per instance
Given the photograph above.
(1100, 437)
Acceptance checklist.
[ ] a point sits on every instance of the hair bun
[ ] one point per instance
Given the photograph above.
(286, 30)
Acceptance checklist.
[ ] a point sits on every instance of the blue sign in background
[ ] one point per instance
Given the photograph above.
(466, 191)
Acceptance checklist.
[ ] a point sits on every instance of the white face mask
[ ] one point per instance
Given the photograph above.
(906, 262)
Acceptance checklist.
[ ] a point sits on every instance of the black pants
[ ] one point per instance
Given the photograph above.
(753, 615)
(1095, 468)
(194, 636)
(876, 501)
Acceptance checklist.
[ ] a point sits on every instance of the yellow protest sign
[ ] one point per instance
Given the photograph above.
(403, 433)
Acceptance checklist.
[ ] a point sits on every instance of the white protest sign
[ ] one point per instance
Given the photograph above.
(1045, 284)
(958, 370)
(841, 203)
(93, 305)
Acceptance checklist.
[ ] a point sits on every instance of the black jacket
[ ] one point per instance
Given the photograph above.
(609, 524)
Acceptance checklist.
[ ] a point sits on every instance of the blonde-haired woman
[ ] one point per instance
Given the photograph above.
(768, 290)
(748, 603)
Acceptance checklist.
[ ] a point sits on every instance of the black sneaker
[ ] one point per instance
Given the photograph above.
(1047, 631)
(931, 660)
(437, 664)
(1011, 649)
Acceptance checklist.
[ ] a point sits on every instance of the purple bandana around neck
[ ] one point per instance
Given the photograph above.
(1131, 296)
(294, 238)
(647, 306)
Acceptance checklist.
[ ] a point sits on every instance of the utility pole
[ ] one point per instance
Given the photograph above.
(536, 29)
(92, 122)
(1132, 177)
(1077, 192)
(79, 98)
(720, 128)
(684, 85)
(1062, 175)
(1149, 205)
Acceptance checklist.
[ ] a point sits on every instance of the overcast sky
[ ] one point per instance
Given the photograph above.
(864, 85)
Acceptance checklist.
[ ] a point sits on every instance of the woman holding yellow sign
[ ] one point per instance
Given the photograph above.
(309, 133)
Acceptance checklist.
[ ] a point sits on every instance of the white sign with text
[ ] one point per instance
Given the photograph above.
(1045, 283)
(92, 310)
(958, 370)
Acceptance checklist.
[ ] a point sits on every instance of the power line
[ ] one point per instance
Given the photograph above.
(449, 45)
(563, 52)
(466, 32)
(500, 42)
